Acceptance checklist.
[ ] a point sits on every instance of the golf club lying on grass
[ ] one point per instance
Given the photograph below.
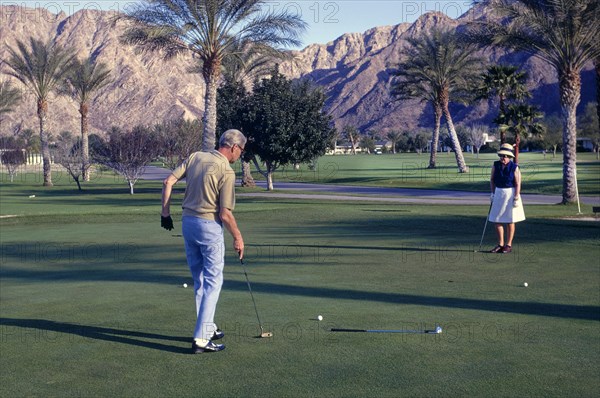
(437, 330)
(263, 334)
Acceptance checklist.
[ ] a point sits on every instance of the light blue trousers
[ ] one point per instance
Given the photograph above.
(205, 252)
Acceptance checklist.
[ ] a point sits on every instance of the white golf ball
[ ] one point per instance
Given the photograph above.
(438, 329)
(525, 284)
(185, 285)
(320, 317)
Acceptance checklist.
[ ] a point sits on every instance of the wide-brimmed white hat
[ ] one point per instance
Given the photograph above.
(506, 149)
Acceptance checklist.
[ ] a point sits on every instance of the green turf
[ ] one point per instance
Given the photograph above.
(92, 302)
(540, 175)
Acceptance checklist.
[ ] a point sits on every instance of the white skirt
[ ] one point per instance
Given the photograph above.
(502, 211)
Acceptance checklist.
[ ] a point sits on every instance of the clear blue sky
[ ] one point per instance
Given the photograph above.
(327, 19)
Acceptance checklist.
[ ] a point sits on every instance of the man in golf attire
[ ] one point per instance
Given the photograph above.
(207, 206)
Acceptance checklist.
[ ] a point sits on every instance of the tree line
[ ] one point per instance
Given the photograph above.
(439, 67)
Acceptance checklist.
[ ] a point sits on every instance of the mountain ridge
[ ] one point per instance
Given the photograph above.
(353, 70)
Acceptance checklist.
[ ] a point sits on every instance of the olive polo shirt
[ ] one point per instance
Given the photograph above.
(210, 184)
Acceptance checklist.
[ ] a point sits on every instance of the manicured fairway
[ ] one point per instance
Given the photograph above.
(92, 302)
(541, 174)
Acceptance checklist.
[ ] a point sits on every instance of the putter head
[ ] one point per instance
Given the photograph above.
(266, 335)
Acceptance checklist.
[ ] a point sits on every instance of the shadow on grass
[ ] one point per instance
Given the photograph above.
(129, 337)
(584, 312)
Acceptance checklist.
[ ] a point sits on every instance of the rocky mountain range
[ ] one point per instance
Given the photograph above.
(353, 70)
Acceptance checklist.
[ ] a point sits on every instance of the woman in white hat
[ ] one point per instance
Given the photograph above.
(507, 209)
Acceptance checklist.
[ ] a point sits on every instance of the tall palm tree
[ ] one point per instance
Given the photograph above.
(84, 80)
(521, 121)
(597, 68)
(41, 68)
(9, 97)
(565, 34)
(438, 67)
(212, 30)
(394, 136)
(506, 83)
(353, 135)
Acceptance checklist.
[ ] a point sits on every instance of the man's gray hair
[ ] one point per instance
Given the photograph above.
(232, 137)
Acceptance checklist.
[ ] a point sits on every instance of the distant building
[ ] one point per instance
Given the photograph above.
(586, 143)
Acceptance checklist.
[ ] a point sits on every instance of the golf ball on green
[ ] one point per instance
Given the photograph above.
(185, 285)
(525, 284)
(320, 317)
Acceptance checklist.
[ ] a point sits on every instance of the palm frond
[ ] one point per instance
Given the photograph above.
(9, 97)
(41, 66)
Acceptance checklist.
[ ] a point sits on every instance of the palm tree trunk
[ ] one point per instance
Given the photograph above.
(570, 93)
(502, 112)
(47, 167)
(353, 143)
(209, 120)
(517, 144)
(437, 109)
(460, 159)
(247, 179)
(85, 151)
(597, 67)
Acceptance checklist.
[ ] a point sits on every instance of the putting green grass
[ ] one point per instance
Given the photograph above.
(92, 302)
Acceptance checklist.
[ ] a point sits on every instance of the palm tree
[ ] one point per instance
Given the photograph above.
(9, 97)
(505, 82)
(86, 78)
(352, 134)
(597, 68)
(394, 137)
(212, 30)
(521, 121)
(565, 34)
(438, 67)
(41, 68)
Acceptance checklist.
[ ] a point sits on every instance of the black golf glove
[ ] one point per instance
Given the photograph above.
(166, 222)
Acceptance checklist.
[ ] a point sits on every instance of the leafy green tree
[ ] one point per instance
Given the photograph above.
(231, 101)
(588, 126)
(9, 97)
(82, 83)
(42, 68)
(212, 30)
(403, 143)
(565, 34)
(506, 83)
(367, 143)
(553, 132)
(285, 124)
(419, 142)
(438, 67)
(521, 121)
